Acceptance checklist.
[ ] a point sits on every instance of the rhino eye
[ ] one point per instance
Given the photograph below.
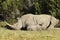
(40, 24)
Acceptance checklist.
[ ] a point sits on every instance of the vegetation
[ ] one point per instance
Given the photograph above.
(29, 35)
(10, 10)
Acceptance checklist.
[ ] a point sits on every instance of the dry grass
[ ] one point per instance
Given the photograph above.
(29, 35)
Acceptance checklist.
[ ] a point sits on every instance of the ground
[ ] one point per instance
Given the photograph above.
(6, 34)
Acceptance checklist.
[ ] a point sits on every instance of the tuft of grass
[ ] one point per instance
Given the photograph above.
(2, 24)
(6, 34)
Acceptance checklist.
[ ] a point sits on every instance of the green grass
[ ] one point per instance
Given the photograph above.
(6, 34)
(29, 35)
(2, 24)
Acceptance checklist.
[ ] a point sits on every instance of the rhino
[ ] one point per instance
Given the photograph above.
(22, 22)
(35, 22)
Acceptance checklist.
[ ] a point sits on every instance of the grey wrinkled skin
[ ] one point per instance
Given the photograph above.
(42, 20)
(27, 20)
(35, 22)
(45, 21)
(54, 22)
(34, 28)
(38, 22)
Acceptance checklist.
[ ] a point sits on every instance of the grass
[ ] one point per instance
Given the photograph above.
(6, 34)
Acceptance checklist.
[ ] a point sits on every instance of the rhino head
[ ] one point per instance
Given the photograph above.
(16, 26)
